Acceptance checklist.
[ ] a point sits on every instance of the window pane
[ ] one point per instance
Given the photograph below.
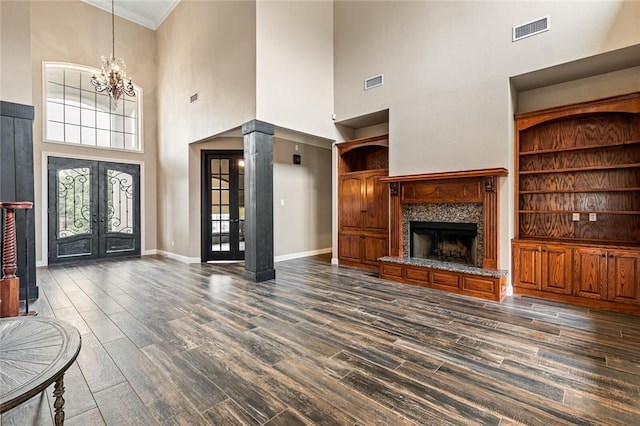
(55, 92)
(85, 81)
(130, 109)
(130, 142)
(103, 103)
(71, 96)
(72, 78)
(88, 118)
(71, 133)
(102, 120)
(55, 131)
(55, 111)
(117, 123)
(88, 136)
(130, 125)
(103, 138)
(55, 75)
(88, 99)
(117, 140)
(117, 108)
(72, 114)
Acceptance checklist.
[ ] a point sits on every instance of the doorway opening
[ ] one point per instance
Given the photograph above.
(223, 214)
(93, 209)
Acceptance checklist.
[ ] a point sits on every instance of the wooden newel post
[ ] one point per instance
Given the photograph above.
(10, 284)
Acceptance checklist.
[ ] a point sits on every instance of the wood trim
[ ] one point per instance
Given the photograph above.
(625, 103)
(501, 171)
(395, 220)
(382, 140)
(490, 214)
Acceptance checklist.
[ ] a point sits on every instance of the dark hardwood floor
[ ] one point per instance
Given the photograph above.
(169, 343)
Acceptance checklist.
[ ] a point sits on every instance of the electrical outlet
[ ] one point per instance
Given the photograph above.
(592, 217)
(576, 217)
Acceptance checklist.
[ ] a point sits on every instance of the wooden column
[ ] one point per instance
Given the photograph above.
(10, 284)
(258, 200)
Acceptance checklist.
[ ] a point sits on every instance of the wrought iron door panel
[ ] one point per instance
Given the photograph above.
(72, 209)
(93, 209)
(120, 215)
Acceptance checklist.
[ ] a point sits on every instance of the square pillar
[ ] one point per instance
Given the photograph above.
(258, 200)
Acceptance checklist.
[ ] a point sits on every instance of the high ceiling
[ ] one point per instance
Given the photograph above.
(149, 13)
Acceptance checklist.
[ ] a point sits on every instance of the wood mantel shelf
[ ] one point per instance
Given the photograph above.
(448, 175)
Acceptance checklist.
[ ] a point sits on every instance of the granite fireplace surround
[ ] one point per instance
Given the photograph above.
(463, 197)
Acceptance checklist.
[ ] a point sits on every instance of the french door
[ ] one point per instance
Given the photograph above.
(223, 205)
(94, 209)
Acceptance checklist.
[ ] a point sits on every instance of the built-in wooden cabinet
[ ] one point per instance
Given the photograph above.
(542, 267)
(578, 201)
(363, 202)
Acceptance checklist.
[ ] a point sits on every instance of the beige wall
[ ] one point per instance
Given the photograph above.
(302, 199)
(15, 52)
(204, 47)
(294, 65)
(74, 32)
(447, 69)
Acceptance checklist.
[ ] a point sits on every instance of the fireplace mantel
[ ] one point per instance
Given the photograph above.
(467, 186)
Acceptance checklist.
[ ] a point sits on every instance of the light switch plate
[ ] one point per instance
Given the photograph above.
(576, 217)
(592, 217)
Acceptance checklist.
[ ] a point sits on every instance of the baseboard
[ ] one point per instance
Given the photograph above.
(179, 257)
(151, 252)
(335, 261)
(301, 254)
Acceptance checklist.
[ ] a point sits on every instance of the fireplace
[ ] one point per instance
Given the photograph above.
(444, 241)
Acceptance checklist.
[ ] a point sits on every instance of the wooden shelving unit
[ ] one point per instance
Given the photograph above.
(578, 188)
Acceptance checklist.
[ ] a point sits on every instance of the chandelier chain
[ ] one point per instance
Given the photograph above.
(113, 29)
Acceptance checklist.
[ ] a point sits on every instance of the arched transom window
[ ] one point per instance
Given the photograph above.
(75, 113)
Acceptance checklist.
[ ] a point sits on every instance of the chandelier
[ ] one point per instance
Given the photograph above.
(113, 78)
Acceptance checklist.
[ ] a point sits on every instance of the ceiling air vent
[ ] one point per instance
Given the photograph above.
(530, 28)
(372, 82)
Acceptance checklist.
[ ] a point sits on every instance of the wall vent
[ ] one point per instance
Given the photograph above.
(375, 81)
(530, 28)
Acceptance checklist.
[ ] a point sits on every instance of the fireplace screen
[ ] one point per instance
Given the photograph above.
(445, 241)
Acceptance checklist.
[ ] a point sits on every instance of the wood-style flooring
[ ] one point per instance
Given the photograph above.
(170, 343)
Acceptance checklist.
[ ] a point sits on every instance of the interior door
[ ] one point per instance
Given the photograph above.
(223, 214)
(93, 209)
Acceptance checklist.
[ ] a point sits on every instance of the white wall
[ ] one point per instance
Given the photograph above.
(15, 52)
(294, 65)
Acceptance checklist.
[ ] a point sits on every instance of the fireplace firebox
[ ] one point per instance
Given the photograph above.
(444, 241)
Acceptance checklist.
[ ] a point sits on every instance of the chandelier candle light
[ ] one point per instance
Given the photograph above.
(113, 77)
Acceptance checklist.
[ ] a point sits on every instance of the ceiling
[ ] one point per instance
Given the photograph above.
(148, 13)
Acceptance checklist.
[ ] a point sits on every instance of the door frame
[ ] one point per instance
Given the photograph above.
(44, 220)
(204, 200)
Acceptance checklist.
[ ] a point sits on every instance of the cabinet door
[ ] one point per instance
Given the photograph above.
(376, 204)
(351, 203)
(556, 269)
(590, 273)
(350, 247)
(526, 266)
(623, 272)
(374, 248)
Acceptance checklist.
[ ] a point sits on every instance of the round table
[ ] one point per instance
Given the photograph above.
(35, 352)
